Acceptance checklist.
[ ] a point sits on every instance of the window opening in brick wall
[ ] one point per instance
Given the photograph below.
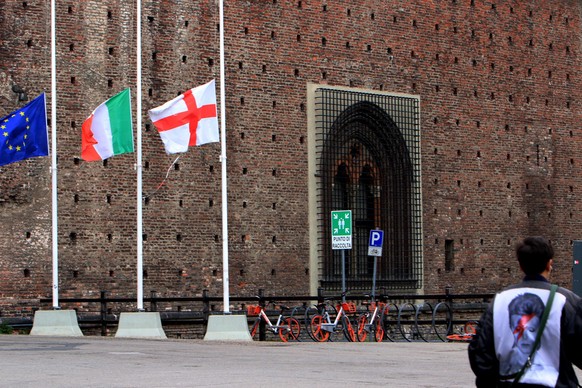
(368, 161)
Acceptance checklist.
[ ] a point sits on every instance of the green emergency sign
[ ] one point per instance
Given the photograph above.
(341, 229)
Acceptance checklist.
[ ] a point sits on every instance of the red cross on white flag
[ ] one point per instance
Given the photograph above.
(187, 120)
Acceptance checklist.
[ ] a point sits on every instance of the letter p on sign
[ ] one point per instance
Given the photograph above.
(375, 243)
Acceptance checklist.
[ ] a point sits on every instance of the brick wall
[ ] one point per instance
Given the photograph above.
(500, 108)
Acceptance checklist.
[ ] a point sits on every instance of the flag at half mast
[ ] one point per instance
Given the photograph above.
(109, 130)
(187, 120)
(24, 132)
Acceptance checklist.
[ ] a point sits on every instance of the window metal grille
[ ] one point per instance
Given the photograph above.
(368, 161)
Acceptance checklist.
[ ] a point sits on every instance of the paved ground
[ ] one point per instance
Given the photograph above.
(33, 361)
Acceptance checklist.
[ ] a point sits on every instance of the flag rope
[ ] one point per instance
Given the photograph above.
(163, 181)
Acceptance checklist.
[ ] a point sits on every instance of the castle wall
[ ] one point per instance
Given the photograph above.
(500, 90)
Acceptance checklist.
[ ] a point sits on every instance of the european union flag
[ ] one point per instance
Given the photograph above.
(24, 133)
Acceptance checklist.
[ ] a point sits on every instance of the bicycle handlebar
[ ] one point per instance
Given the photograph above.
(274, 303)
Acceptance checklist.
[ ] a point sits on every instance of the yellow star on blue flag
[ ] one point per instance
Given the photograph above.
(24, 132)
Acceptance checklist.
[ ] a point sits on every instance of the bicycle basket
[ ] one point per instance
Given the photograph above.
(253, 310)
(349, 307)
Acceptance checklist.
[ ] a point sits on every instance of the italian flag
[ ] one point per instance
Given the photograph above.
(109, 130)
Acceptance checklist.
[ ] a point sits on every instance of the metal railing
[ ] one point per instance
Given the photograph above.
(417, 314)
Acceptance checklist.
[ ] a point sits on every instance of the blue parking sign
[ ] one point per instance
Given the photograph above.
(375, 243)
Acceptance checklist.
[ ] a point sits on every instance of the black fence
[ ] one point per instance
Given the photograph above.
(188, 316)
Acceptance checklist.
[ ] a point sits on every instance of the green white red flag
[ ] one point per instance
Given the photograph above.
(109, 130)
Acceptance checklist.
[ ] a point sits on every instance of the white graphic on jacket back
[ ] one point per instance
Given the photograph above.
(516, 318)
(525, 313)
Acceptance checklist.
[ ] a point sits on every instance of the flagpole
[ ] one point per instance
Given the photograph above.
(55, 246)
(138, 168)
(225, 280)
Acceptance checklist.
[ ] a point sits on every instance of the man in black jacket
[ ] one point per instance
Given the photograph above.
(506, 335)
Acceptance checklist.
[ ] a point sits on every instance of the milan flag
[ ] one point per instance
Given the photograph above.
(187, 120)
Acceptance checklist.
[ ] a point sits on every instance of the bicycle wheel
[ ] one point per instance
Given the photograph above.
(469, 330)
(378, 330)
(310, 312)
(291, 332)
(296, 313)
(442, 320)
(348, 329)
(329, 313)
(471, 327)
(255, 328)
(317, 333)
(406, 323)
(422, 325)
(362, 332)
(389, 319)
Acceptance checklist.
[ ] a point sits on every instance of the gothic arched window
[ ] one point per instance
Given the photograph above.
(369, 163)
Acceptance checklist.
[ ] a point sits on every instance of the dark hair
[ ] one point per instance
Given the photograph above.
(533, 255)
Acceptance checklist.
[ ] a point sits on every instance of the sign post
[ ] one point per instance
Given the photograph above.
(375, 249)
(341, 238)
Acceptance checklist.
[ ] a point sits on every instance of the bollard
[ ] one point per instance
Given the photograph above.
(262, 328)
(206, 304)
(103, 302)
(153, 302)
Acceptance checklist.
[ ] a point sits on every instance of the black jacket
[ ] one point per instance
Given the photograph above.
(482, 355)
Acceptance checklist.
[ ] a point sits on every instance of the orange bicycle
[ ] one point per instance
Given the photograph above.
(469, 330)
(322, 325)
(371, 322)
(288, 328)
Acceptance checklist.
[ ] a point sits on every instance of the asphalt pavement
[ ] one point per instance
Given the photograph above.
(37, 361)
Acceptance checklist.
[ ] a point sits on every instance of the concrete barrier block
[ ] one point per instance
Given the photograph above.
(56, 323)
(227, 328)
(140, 325)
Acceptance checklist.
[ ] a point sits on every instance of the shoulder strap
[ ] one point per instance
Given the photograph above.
(543, 321)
